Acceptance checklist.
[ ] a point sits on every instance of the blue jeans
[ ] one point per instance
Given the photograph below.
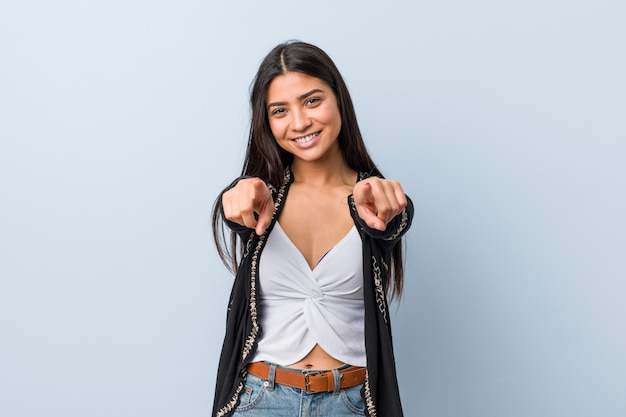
(264, 398)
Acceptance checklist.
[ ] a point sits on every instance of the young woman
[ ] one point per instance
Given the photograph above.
(319, 232)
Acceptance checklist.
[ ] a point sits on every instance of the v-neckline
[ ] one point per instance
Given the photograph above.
(317, 264)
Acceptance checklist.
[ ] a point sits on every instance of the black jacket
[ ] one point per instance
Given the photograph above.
(381, 394)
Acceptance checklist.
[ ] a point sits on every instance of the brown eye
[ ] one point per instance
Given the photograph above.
(312, 101)
(277, 112)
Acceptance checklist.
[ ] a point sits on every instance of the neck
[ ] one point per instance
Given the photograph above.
(323, 173)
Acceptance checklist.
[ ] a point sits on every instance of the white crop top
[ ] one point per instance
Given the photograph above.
(302, 307)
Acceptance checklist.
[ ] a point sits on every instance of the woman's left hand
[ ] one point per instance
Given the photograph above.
(378, 201)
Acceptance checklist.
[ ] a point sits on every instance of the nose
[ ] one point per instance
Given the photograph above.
(300, 120)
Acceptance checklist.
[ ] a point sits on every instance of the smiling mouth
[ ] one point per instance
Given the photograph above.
(307, 138)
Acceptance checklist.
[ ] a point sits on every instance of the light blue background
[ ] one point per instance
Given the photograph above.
(505, 121)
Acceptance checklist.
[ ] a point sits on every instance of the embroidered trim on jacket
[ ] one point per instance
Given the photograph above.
(248, 245)
(380, 292)
(369, 401)
(233, 401)
(401, 227)
(253, 312)
(281, 191)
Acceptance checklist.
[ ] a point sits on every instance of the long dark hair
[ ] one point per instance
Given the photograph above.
(266, 160)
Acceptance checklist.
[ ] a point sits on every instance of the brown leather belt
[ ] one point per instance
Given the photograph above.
(311, 382)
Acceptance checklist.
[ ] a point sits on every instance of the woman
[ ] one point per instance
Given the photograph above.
(320, 228)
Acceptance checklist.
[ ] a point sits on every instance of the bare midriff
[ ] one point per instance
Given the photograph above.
(317, 358)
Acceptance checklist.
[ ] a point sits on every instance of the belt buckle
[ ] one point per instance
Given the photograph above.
(307, 384)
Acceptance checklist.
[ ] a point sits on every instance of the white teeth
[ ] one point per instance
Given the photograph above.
(307, 138)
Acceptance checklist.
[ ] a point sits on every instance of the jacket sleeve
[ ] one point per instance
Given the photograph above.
(396, 228)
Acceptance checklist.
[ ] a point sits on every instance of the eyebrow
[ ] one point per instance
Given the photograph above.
(301, 97)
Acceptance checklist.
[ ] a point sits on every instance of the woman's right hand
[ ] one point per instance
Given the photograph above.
(248, 197)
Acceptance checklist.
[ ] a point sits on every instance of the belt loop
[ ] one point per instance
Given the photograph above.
(272, 377)
(337, 379)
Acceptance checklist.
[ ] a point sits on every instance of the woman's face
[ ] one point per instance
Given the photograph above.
(303, 116)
